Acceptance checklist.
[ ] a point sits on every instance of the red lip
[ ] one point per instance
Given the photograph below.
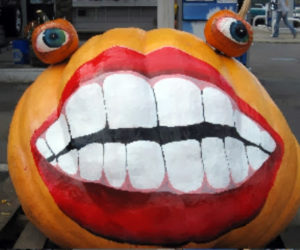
(160, 218)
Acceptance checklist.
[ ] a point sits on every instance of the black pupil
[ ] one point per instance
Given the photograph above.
(53, 36)
(240, 30)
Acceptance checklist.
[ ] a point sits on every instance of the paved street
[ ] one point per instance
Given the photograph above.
(277, 66)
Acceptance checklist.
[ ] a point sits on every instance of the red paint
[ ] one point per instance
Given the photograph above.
(157, 218)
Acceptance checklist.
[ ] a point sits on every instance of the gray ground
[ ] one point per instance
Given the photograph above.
(277, 66)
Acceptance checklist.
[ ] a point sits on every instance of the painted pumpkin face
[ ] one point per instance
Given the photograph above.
(153, 138)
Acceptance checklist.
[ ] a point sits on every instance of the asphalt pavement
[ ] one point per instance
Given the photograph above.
(277, 66)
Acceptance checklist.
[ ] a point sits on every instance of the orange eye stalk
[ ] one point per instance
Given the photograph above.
(229, 33)
(54, 41)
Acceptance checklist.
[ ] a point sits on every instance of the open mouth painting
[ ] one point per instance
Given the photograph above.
(153, 139)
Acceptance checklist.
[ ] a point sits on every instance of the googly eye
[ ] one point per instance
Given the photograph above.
(234, 29)
(54, 41)
(51, 39)
(228, 33)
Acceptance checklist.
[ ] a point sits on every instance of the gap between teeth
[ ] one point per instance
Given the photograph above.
(128, 100)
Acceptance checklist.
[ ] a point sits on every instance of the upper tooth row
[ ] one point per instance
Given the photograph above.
(185, 162)
(128, 101)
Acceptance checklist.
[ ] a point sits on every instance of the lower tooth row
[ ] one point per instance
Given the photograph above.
(186, 163)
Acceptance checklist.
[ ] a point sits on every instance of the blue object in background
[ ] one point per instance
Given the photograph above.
(195, 13)
(202, 10)
(20, 51)
(243, 59)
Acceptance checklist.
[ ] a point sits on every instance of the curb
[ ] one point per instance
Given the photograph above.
(3, 167)
(19, 75)
(275, 40)
(263, 35)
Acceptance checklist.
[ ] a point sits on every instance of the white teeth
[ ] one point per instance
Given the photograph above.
(184, 165)
(247, 128)
(85, 110)
(256, 157)
(115, 163)
(250, 131)
(179, 102)
(237, 159)
(215, 164)
(129, 102)
(43, 148)
(217, 107)
(267, 141)
(69, 162)
(91, 161)
(145, 164)
(201, 164)
(57, 135)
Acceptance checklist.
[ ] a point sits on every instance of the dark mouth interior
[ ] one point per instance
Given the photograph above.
(160, 134)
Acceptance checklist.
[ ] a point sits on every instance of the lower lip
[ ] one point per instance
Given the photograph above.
(157, 218)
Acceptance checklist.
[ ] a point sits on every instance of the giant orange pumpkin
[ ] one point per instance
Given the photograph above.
(153, 139)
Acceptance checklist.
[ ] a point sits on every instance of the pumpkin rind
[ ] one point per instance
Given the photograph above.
(42, 98)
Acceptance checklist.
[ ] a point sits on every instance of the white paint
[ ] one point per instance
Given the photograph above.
(247, 128)
(267, 141)
(85, 110)
(69, 162)
(223, 26)
(43, 148)
(91, 161)
(237, 159)
(215, 164)
(115, 163)
(57, 135)
(256, 157)
(129, 101)
(217, 107)
(145, 164)
(179, 102)
(184, 165)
